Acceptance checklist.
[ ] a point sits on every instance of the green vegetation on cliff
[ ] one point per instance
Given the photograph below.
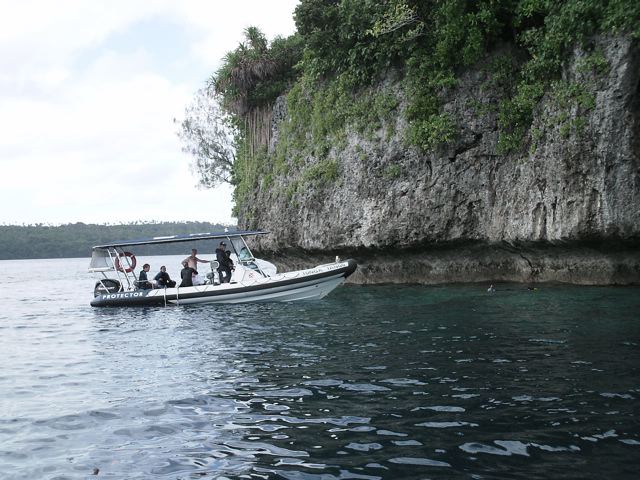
(76, 239)
(336, 69)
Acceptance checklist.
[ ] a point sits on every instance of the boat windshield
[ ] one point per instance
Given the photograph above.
(241, 249)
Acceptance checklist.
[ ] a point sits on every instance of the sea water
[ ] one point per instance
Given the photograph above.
(377, 382)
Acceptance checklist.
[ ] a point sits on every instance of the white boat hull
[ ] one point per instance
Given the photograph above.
(315, 290)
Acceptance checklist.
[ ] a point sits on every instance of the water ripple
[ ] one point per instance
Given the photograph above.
(419, 461)
(372, 382)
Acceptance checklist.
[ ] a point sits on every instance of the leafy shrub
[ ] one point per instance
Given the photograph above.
(323, 172)
(393, 171)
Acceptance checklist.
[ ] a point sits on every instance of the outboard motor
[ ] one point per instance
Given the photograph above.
(108, 285)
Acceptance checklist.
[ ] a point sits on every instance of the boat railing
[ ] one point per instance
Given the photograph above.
(122, 274)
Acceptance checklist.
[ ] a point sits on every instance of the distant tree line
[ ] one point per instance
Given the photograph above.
(76, 239)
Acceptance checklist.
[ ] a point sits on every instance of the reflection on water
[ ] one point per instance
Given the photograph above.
(372, 382)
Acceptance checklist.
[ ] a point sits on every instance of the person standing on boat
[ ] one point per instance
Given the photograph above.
(230, 260)
(193, 260)
(223, 263)
(163, 279)
(143, 281)
(187, 274)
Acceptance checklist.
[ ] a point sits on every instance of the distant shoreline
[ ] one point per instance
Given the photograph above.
(75, 240)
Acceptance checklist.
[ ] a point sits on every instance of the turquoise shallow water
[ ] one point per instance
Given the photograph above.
(372, 382)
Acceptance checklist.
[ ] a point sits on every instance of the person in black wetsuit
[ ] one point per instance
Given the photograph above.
(143, 281)
(223, 264)
(229, 261)
(187, 275)
(163, 280)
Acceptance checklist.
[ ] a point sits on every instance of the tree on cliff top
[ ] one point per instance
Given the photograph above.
(256, 72)
(250, 79)
(208, 134)
(233, 113)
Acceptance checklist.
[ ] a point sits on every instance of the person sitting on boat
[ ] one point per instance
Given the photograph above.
(223, 263)
(163, 280)
(187, 274)
(143, 281)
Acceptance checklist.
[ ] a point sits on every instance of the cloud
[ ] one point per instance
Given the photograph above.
(88, 94)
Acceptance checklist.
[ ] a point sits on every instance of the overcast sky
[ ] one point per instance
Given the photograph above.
(88, 93)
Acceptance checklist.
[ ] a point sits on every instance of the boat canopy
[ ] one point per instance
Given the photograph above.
(188, 237)
(101, 261)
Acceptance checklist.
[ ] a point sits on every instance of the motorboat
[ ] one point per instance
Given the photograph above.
(252, 279)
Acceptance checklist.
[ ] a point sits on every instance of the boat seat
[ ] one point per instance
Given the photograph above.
(138, 283)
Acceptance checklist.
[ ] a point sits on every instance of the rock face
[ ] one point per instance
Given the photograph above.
(566, 208)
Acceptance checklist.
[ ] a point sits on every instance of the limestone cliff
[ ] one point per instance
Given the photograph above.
(565, 208)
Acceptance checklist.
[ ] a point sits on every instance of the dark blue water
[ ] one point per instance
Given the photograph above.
(372, 382)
